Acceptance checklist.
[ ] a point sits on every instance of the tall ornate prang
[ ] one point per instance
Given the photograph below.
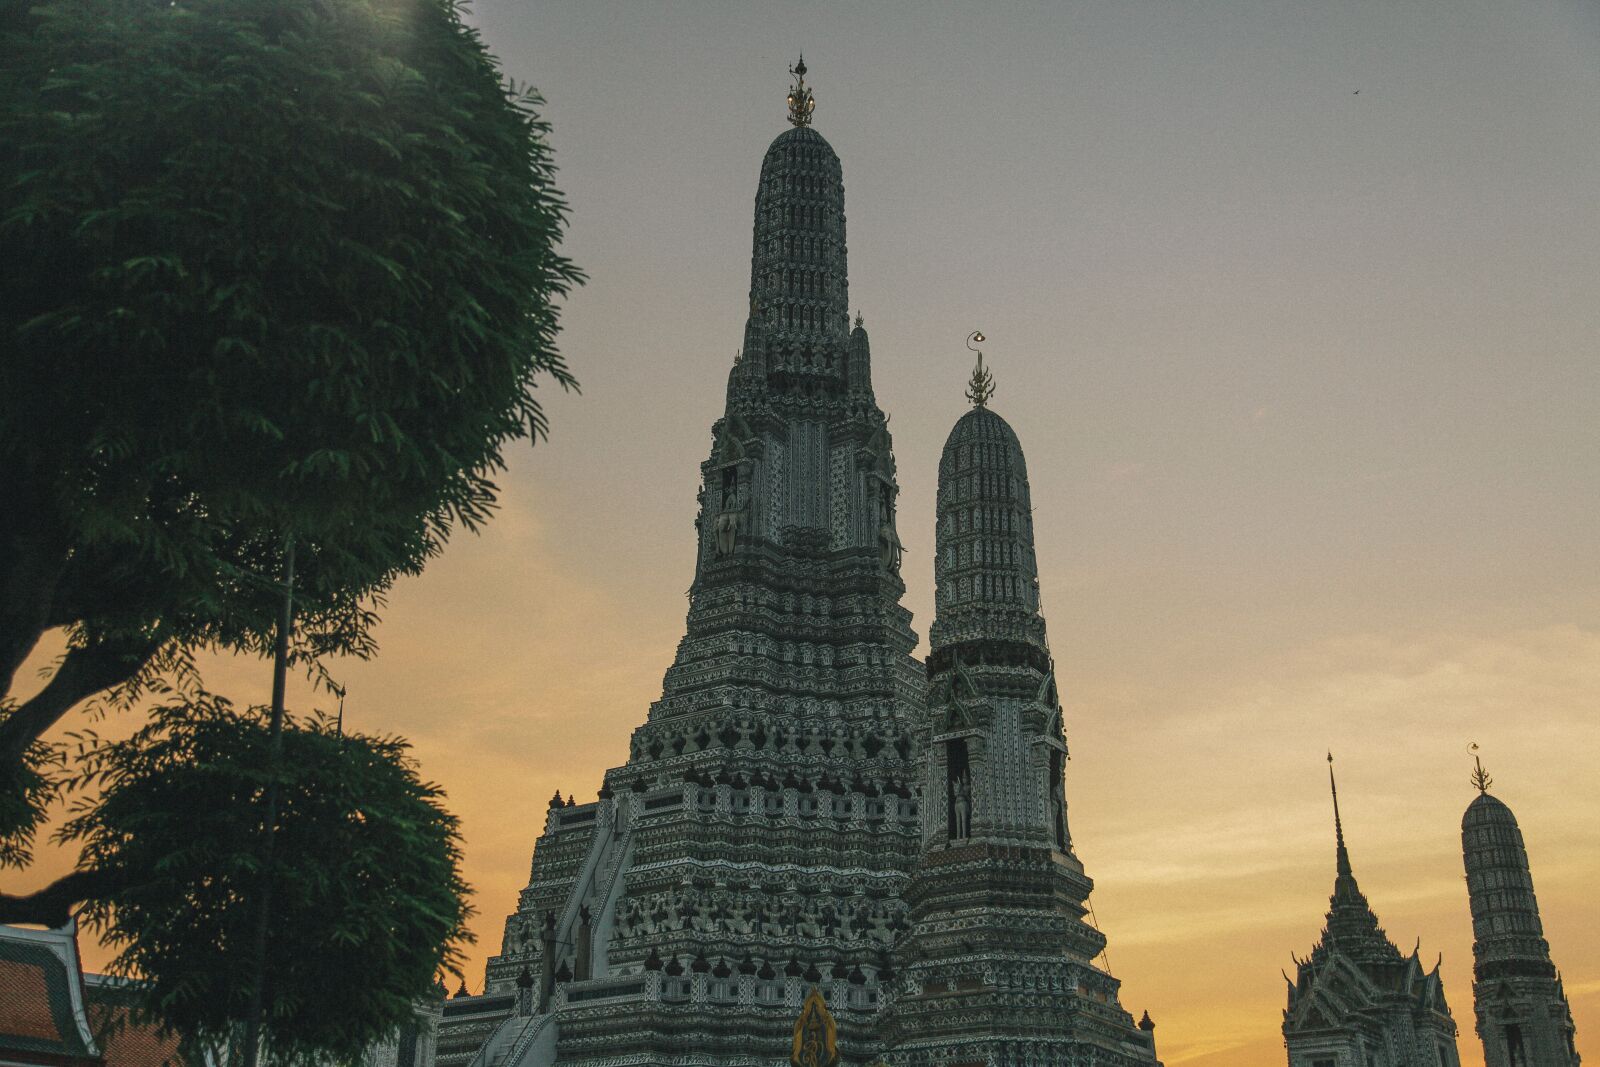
(1523, 1018)
(999, 965)
(755, 843)
(1356, 1002)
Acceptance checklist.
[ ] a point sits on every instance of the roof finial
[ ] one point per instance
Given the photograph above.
(860, 322)
(1480, 777)
(980, 387)
(1338, 827)
(800, 102)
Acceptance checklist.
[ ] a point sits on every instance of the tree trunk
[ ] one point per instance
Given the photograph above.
(29, 574)
(280, 667)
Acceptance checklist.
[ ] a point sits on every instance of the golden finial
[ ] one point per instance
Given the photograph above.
(1480, 777)
(801, 104)
(980, 387)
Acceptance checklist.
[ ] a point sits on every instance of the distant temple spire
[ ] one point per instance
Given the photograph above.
(1520, 1004)
(801, 102)
(1342, 854)
(1392, 1003)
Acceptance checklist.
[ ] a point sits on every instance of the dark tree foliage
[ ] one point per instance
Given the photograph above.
(274, 269)
(35, 783)
(367, 892)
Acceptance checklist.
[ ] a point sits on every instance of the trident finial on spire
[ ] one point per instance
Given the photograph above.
(1338, 827)
(801, 104)
(1480, 777)
(980, 387)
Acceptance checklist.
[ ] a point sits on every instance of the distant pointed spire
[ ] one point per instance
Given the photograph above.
(1480, 777)
(1351, 925)
(801, 103)
(980, 387)
(1343, 854)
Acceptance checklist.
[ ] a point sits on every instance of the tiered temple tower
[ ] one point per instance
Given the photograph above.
(998, 966)
(1522, 1014)
(1356, 1002)
(756, 842)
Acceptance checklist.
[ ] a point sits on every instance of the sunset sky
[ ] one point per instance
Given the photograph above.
(1295, 309)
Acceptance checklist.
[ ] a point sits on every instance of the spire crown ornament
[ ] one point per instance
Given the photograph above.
(1480, 777)
(801, 102)
(980, 387)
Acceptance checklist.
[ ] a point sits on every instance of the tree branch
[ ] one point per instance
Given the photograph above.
(27, 588)
(83, 672)
(52, 905)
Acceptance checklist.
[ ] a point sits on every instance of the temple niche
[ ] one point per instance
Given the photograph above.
(958, 787)
(1056, 790)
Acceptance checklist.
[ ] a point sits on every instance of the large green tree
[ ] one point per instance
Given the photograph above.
(277, 273)
(275, 269)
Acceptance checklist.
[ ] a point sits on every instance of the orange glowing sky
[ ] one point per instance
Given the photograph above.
(1308, 386)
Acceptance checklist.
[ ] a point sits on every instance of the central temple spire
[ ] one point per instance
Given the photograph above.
(764, 823)
(799, 284)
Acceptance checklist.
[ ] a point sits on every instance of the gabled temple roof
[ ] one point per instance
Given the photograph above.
(1355, 974)
(43, 1017)
(54, 1015)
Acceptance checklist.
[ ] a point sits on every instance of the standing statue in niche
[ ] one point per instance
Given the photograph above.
(961, 804)
(1058, 807)
(726, 524)
(889, 546)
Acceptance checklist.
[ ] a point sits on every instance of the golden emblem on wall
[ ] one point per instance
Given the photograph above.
(816, 1038)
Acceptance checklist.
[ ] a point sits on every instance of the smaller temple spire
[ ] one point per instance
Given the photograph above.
(980, 387)
(801, 102)
(1480, 777)
(1338, 827)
